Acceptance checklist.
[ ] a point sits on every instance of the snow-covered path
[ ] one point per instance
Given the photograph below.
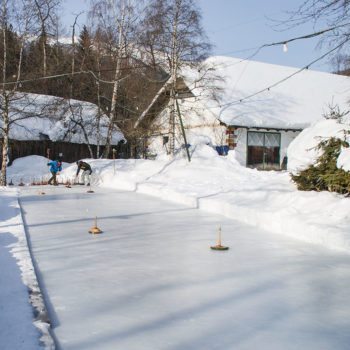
(150, 280)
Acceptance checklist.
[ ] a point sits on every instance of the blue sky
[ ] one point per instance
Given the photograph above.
(235, 25)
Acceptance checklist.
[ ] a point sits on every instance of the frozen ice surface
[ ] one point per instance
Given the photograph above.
(150, 281)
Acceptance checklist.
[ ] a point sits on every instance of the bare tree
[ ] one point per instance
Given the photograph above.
(73, 54)
(334, 17)
(16, 20)
(77, 119)
(175, 38)
(332, 12)
(45, 12)
(117, 20)
(98, 59)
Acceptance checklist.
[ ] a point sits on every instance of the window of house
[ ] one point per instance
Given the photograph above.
(263, 150)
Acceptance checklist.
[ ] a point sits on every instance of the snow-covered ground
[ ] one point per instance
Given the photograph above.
(268, 200)
(23, 322)
(263, 200)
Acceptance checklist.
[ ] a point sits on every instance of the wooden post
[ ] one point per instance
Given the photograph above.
(183, 130)
(218, 246)
(219, 236)
(114, 152)
(94, 229)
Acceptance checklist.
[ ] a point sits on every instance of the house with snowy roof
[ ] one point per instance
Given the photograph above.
(52, 126)
(260, 109)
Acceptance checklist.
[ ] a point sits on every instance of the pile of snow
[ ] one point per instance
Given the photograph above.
(37, 117)
(19, 293)
(28, 170)
(220, 185)
(303, 152)
(344, 159)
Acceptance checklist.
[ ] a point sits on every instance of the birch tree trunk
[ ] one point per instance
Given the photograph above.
(73, 59)
(5, 116)
(112, 112)
(98, 127)
(44, 56)
(6, 108)
(5, 145)
(174, 70)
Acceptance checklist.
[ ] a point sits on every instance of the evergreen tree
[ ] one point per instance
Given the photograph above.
(324, 175)
(84, 84)
(85, 52)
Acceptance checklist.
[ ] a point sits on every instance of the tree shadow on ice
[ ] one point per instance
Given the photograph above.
(61, 196)
(267, 307)
(100, 218)
(171, 319)
(252, 315)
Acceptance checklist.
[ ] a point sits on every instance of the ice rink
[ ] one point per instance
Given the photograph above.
(151, 281)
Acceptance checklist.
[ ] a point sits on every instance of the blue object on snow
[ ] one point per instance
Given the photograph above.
(222, 150)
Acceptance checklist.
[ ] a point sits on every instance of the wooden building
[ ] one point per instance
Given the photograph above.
(48, 125)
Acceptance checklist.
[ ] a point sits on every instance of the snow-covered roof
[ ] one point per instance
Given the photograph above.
(36, 117)
(294, 104)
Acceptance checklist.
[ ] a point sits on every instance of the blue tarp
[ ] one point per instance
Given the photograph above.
(222, 150)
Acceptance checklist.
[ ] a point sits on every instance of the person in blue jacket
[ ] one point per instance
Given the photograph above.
(55, 167)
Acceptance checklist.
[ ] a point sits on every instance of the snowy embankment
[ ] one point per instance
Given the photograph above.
(220, 185)
(303, 151)
(19, 279)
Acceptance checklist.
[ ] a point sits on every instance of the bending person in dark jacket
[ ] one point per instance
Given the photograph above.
(55, 167)
(87, 171)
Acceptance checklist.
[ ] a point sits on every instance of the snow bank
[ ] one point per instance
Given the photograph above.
(344, 159)
(29, 169)
(302, 151)
(220, 185)
(17, 320)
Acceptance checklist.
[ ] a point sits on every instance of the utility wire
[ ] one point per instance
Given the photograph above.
(308, 36)
(284, 42)
(286, 78)
(77, 73)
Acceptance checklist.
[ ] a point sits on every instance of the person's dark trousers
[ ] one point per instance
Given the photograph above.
(53, 178)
